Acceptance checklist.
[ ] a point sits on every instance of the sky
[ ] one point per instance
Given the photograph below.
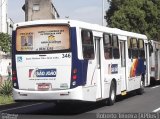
(84, 10)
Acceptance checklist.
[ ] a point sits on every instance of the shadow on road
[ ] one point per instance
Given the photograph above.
(71, 108)
(66, 108)
(154, 83)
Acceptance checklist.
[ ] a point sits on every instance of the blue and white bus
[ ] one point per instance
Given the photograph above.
(61, 60)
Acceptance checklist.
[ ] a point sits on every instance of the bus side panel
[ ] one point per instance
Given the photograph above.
(80, 65)
(154, 62)
(134, 83)
(86, 68)
(134, 73)
(112, 70)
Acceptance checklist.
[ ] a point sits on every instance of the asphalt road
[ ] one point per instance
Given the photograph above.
(135, 104)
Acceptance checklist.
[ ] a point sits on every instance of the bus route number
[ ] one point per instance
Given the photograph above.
(66, 56)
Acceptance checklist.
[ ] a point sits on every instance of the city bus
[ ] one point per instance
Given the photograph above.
(69, 60)
(155, 61)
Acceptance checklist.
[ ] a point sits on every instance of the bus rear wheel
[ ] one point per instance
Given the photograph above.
(112, 94)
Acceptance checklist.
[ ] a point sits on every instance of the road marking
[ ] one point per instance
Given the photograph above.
(156, 110)
(154, 87)
(20, 107)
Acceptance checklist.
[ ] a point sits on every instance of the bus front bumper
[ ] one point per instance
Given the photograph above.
(70, 94)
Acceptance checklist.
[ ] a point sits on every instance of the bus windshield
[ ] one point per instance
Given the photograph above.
(42, 38)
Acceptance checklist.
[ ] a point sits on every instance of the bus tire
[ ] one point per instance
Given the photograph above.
(140, 91)
(112, 94)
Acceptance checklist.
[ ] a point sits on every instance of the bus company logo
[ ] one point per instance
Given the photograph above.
(113, 68)
(51, 38)
(42, 73)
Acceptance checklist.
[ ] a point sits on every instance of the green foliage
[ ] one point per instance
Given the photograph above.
(5, 42)
(6, 100)
(140, 16)
(6, 88)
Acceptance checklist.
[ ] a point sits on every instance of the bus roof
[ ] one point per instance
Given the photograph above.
(80, 24)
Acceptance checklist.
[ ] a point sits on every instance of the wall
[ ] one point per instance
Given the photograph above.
(3, 66)
(45, 10)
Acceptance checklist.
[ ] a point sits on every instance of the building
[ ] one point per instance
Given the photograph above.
(3, 16)
(39, 9)
(6, 24)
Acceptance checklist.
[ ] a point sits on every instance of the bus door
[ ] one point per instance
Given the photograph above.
(98, 67)
(156, 63)
(147, 72)
(123, 65)
(159, 63)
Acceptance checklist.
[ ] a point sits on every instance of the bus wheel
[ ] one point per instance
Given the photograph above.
(140, 91)
(112, 94)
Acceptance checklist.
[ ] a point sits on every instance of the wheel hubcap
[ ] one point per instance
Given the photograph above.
(112, 95)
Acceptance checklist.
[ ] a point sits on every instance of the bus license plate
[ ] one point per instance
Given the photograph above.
(43, 86)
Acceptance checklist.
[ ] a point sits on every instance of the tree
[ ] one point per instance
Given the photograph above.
(5, 42)
(141, 16)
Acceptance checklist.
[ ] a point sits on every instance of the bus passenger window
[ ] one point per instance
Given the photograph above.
(141, 48)
(129, 47)
(107, 46)
(116, 54)
(134, 48)
(87, 44)
(108, 53)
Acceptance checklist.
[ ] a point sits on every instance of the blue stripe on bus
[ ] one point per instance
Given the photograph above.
(80, 65)
(140, 69)
(14, 59)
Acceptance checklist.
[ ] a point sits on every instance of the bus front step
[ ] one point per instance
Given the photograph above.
(124, 93)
